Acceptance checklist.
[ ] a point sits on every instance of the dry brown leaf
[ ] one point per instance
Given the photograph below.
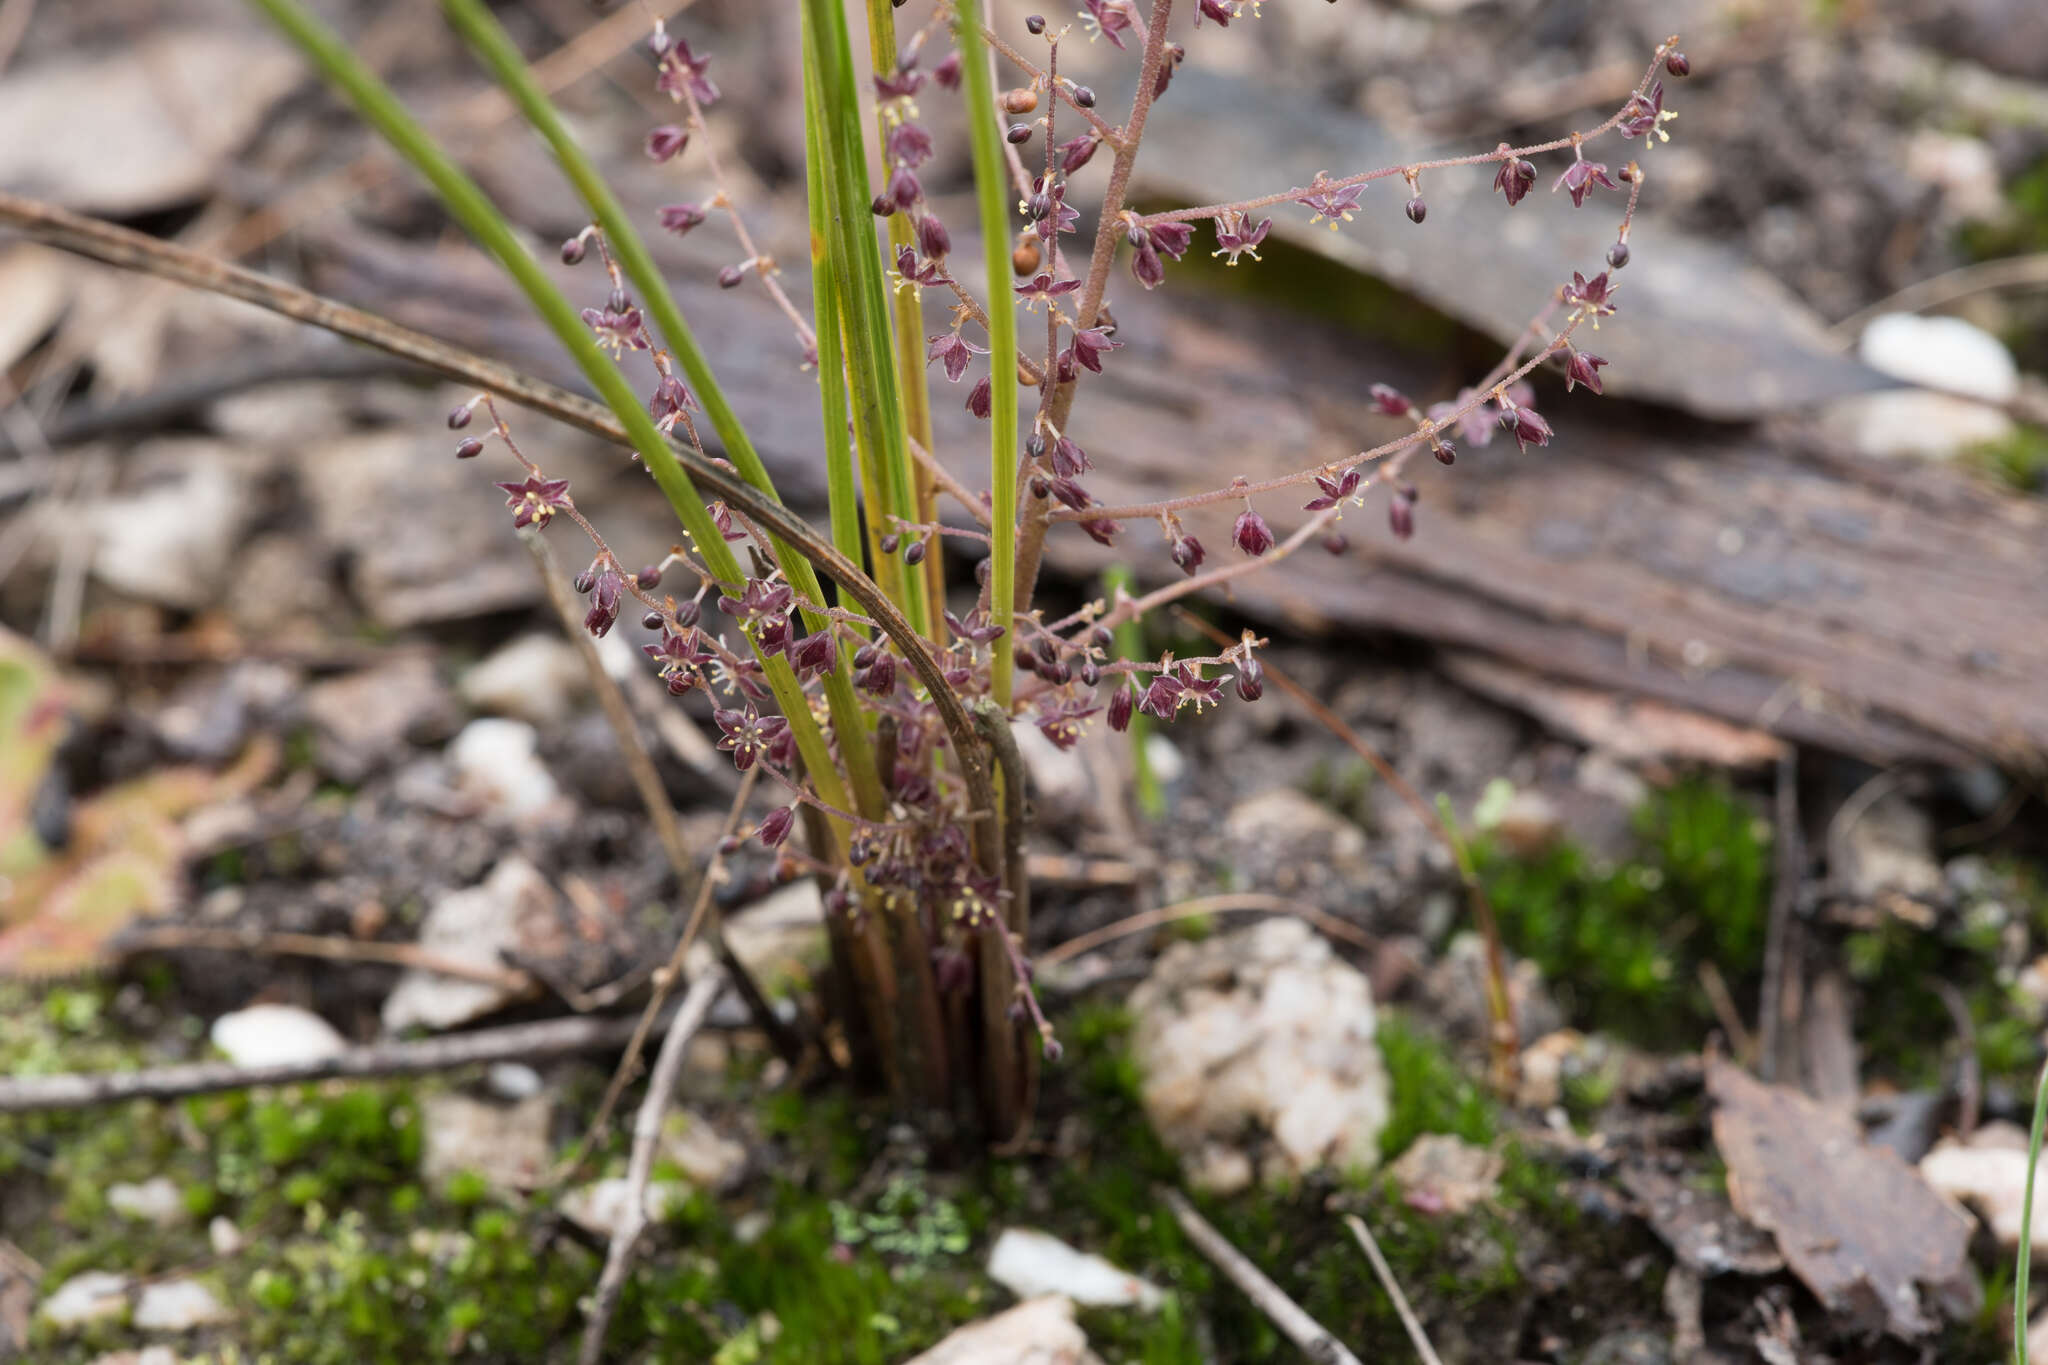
(35, 285)
(1858, 1225)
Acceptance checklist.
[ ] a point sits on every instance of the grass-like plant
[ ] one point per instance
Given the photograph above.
(881, 713)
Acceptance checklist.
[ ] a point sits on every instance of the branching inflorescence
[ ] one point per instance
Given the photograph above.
(914, 831)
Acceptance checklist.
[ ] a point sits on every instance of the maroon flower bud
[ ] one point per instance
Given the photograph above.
(1146, 266)
(1445, 452)
(866, 655)
(1120, 707)
(913, 553)
(680, 218)
(690, 613)
(1090, 345)
(604, 602)
(1515, 178)
(1071, 493)
(1528, 425)
(1251, 534)
(1678, 65)
(817, 653)
(1068, 459)
(947, 73)
(1084, 96)
(730, 277)
(890, 542)
(468, 448)
(1076, 152)
(1040, 489)
(904, 187)
(1018, 134)
(1401, 513)
(459, 418)
(932, 238)
(572, 251)
(1034, 24)
(1617, 255)
(652, 621)
(649, 577)
(1336, 543)
(1251, 680)
(880, 676)
(980, 398)
(775, 826)
(1188, 554)
(584, 581)
(1583, 369)
(1101, 530)
(1417, 210)
(910, 144)
(882, 206)
(665, 142)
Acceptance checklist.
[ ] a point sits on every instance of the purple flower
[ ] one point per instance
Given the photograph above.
(1090, 345)
(1234, 239)
(1120, 705)
(1580, 177)
(1515, 178)
(1251, 534)
(954, 350)
(1145, 266)
(1251, 679)
(535, 500)
(910, 144)
(1390, 402)
(980, 398)
(671, 399)
(1197, 690)
(906, 82)
(775, 826)
(813, 654)
(1583, 368)
(932, 238)
(947, 73)
(904, 189)
(1062, 722)
(681, 659)
(1645, 118)
(878, 677)
(1332, 205)
(1188, 554)
(1107, 19)
(1162, 697)
(1213, 9)
(1042, 288)
(1101, 530)
(1594, 296)
(1401, 512)
(618, 326)
(680, 218)
(1077, 152)
(910, 274)
(682, 70)
(1068, 459)
(604, 601)
(721, 517)
(1528, 425)
(749, 736)
(1171, 239)
(667, 142)
(1335, 488)
(1071, 494)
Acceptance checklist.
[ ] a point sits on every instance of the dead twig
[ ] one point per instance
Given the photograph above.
(1393, 1288)
(1290, 1317)
(512, 1043)
(661, 1087)
(176, 937)
(1788, 861)
(1207, 905)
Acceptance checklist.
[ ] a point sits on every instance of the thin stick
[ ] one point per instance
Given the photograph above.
(1787, 862)
(512, 1043)
(1290, 1317)
(661, 1088)
(186, 936)
(1205, 905)
(1393, 1288)
(664, 982)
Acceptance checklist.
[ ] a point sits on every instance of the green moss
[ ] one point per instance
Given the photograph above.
(2024, 228)
(2019, 461)
(1622, 944)
(1431, 1092)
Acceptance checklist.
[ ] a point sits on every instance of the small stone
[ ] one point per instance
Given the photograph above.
(1263, 1029)
(706, 1157)
(1543, 1068)
(1989, 1175)
(275, 1035)
(1168, 763)
(600, 1207)
(1914, 424)
(1888, 851)
(1443, 1174)
(223, 1236)
(508, 1147)
(1036, 1332)
(156, 1200)
(173, 539)
(1059, 777)
(178, 1306)
(536, 678)
(782, 936)
(497, 759)
(1029, 1263)
(86, 1297)
(515, 909)
(1942, 353)
(1527, 823)
(367, 720)
(513, 1080)
(148, 1355)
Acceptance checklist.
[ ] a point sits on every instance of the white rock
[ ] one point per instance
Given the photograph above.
(536, 678)
(1914, 424)
(156, 1200)
(178, 1306)
(86, 1297)
(1964, 169)
(706, 1157)
(1029, 1263)
(506, 1145)
(1036, 1332)
(275, 1035)
(1991, 1179)
(513, 1080)
(1941, 353)
(1265, 1030)
(599, 1207)
(514, 908)
(223, 1236)
(1889, 851)
(1059, 777)
(170, 541)
(1168, 764)
(781, 935)
(496, 757)
(1444, 1174)
(158, 1354)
